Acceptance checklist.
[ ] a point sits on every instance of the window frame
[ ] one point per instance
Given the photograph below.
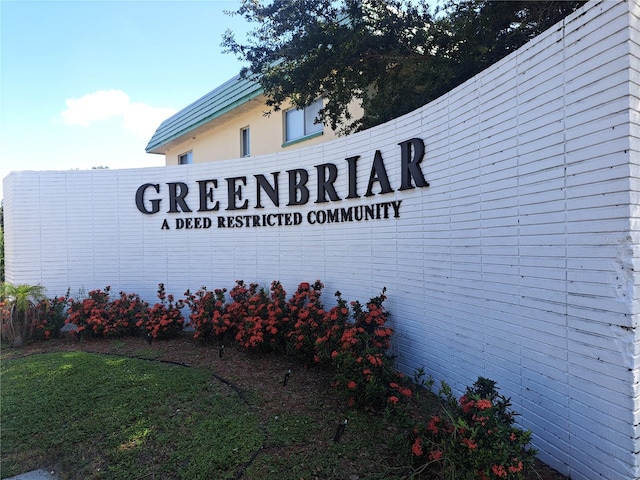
(188, 156)
(305, 120)
(245, 142)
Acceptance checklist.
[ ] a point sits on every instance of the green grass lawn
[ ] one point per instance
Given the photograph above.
(100, 416)
(93, 416)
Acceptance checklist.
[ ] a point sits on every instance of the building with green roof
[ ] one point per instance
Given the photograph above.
(233, 121)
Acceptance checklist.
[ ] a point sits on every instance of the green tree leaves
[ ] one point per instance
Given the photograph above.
(388, 56)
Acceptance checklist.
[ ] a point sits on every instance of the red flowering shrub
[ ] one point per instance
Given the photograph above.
(259, 318)
(127, 313)
(207, 313)
(369, 379)
(5, 317)
(328, 338)
(52, 313)
(364, 370)
(264, 320)
(98, 316)
(251, 328)
(308, 318)
(475, 438)
(236, 311)
(370, 323)
(90, 315)
(277, 323)
(165, 320)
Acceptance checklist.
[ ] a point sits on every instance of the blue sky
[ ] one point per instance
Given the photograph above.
(85, 83)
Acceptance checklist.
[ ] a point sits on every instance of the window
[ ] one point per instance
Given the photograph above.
(185, 158)
(245, 142)
(300, 122)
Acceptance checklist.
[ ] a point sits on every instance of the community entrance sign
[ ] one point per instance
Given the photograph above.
(411, 176)
(502, 219)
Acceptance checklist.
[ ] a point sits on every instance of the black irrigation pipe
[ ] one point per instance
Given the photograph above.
(241, 470)
(228, 383)
(261, 450)
(134, 357)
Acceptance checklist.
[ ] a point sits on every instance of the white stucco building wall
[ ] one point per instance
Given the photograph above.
(518, 262)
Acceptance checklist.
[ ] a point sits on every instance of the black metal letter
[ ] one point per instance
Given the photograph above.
(295, 186)
(272, 192)
(176, 197)
(155, 203)
(234, 193)
(206, 195)
(378, 174)
(353, 177)
(410, 167)
(325, 185)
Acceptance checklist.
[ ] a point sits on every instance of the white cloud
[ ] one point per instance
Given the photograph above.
(93, 107)
(139, 118)
(143, 119)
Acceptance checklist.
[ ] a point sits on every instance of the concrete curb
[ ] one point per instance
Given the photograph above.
(35, 475)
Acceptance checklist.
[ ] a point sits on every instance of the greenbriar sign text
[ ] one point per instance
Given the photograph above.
(150, 196)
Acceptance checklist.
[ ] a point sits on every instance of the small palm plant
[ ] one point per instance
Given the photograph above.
(18, 311)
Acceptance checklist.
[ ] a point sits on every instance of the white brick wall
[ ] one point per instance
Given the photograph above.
(517, 263)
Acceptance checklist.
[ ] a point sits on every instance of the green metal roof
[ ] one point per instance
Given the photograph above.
(214, 104)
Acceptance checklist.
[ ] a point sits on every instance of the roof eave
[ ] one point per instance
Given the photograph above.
(227, 97)
(161, 145)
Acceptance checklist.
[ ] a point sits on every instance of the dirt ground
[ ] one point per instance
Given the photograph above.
(247, 372)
